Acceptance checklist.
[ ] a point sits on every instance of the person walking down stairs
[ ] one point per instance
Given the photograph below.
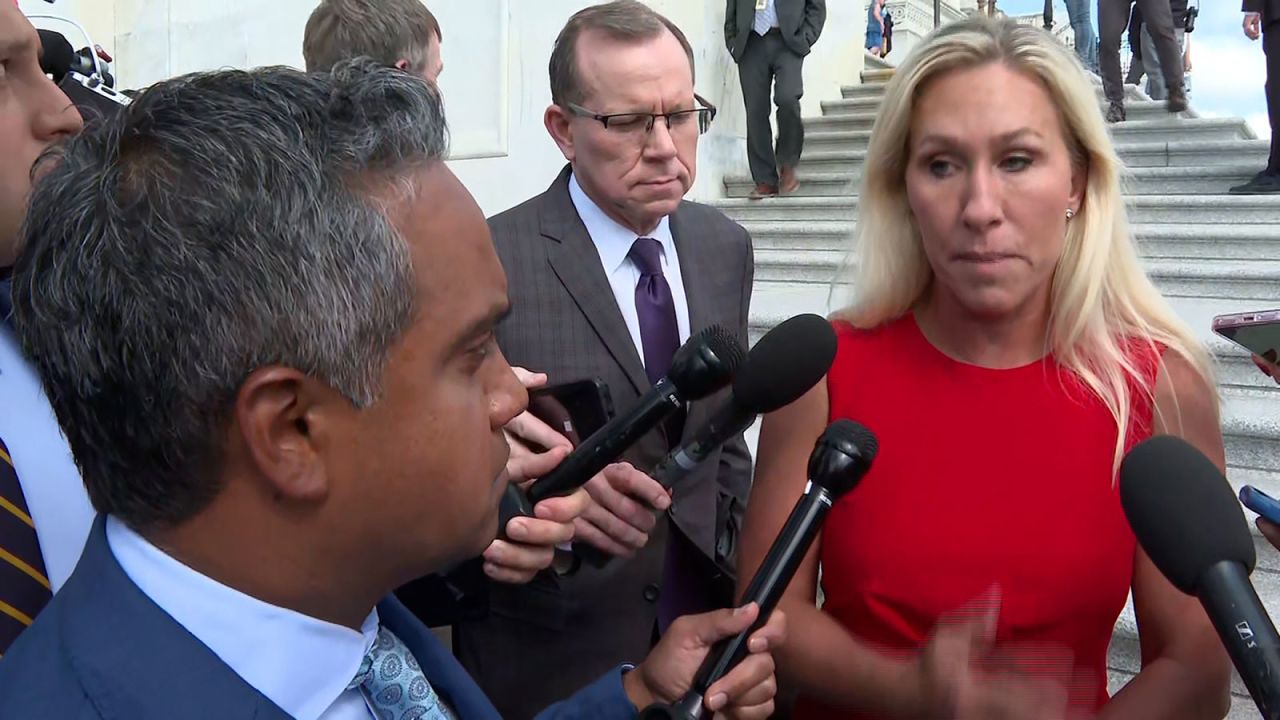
(1157, 17)
(769, 39)
(1262, 19)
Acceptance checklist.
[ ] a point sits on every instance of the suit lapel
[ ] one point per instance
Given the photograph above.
(576, 263)
(135, 660)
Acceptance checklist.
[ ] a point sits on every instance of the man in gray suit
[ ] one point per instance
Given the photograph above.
(609, 271)
(769, 39)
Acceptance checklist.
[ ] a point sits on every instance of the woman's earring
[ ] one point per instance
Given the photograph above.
(1070, 213)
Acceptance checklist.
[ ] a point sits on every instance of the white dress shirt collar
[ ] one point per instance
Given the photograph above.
(300, 663)
(613, 243)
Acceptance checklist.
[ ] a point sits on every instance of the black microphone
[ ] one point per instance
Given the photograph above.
(1188, 521)
(57, 58)
(703, 365)
(784, 364)
(840, 459)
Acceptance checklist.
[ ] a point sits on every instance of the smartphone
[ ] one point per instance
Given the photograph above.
(1261, 503)
(1257, 331)
(575, 409)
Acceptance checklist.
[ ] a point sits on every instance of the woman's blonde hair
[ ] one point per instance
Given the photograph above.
(1101, 299)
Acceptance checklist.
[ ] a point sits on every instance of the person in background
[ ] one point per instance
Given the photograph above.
(769, 40)
(1151, 59)
(398, 33)
(313, 460)
(888, 33)
(1006, 320)
(1262, 19)
(45, 514)
(1079, 14)
(875, 27)
(1136, 67)
(611, 270)
(1113, 16)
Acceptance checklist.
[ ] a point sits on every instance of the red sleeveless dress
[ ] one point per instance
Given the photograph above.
(983, 478)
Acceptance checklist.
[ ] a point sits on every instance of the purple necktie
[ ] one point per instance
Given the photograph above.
(655, 309)
(660, 337)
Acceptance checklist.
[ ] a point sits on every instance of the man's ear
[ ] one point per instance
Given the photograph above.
(402, 64)
(557, 122)
(285, 418)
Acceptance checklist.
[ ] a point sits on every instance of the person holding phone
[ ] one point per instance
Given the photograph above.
(1007, 349)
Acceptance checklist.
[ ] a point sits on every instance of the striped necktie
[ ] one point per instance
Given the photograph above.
(24, 584)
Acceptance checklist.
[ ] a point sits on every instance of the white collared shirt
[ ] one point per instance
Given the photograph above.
(613, 242)
(301, 664)
(48, 475)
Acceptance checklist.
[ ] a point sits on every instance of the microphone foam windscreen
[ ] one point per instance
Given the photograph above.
(1182, 511)
(56, 55)
(785, 363)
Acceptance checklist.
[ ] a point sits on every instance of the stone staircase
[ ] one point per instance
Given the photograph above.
(1208, 252)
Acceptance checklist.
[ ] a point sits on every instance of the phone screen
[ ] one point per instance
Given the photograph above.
(574, 409)
(1262, 339)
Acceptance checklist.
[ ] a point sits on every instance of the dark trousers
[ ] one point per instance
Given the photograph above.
(768, 62)
(1113, 18)
(1271, 46)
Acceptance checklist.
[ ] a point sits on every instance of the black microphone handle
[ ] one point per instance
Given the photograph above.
(514, 504)
(607, 444)
(729, 421)
(1246, 630)
(766, 589)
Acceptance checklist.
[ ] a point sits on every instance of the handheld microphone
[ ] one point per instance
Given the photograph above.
(1188, 521)
(703, 365)
(840, 459)
(784, 364)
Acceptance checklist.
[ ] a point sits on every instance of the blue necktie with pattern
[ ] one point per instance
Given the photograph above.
(394, 685)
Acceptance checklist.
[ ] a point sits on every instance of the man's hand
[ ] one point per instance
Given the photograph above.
(745, 693)
(1267, 364)
(622, 512)
(1269, 530)
(1253, 25)
(530, 545)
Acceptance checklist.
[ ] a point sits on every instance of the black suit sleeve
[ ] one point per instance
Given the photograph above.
(734, 477)
(1252, 6)
(815, 17)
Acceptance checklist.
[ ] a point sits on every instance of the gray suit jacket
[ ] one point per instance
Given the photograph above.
(547, 637)
(800, 22)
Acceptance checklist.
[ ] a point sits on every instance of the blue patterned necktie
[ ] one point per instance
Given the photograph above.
(394, 685)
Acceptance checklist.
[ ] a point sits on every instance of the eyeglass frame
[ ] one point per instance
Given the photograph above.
(603, 119)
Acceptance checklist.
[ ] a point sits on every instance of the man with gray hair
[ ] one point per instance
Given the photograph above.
(286, 401)
(397, 33)
(610, 271)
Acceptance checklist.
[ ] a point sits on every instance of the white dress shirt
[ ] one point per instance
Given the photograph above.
(301, 664)
(766, 18)
(613, 242)
(46, 471)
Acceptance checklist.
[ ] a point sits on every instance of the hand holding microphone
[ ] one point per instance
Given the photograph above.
(785, 364)
(840, 459)
(704, 364)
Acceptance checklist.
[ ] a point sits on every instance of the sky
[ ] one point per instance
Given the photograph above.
(1228, 70)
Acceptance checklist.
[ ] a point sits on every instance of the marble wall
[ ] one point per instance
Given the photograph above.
(495, 79)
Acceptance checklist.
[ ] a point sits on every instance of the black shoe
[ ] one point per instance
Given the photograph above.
(1115, 112)
(1177, 100)
(1263, 183)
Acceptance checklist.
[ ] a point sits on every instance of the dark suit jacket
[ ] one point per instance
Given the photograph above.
(1270, 9)
(800, 22)
(542, 637)
(102, 650)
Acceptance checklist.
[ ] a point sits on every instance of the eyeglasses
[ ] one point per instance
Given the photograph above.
(637, 124)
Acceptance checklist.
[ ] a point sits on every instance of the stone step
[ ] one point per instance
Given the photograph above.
(860, 115)
(1165, 130)
(1181, 153)
(873, 91)
(1178, 180)
(877, 74)
(875, 62)
(1212, 210)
